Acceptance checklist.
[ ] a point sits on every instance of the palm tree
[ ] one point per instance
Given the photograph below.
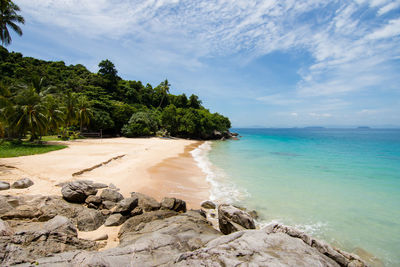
(164, 89)
(84, 111)
(70, 109)
(30, 114)
(9, 17)
(6, 109)
(54, 113)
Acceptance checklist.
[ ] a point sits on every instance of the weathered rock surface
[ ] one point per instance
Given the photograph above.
(115, 219)
(111, 195)
(146, 203)
(22, 183)
(208, 204)
(126, 205)
(171, 203)
(78, 191)
(108, 205)
(95, 200)
(232, 219)
(5, 229)
(58, 235)
(4, 185)
(90, 219)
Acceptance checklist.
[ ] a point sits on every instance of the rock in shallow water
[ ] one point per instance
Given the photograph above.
(232, 219)
(22, 183)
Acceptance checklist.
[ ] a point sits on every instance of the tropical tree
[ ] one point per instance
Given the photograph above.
(55, 115)
(6, 109)
(84, 111)
(164, 89)
(9, 18)
(70, 109)
(30, 114)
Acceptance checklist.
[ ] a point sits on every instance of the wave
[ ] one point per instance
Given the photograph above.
(222, 189)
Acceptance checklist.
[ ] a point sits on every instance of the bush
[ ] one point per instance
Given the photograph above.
(141, 124)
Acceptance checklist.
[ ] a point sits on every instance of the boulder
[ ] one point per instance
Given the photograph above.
(136, 211)
(22, 183)
(208, 204)
(4, 185)
(232, 219)
(255, 248)
(111, 195)
(146, 203)
(61, 224)
(90, 219)
(5, 229)
(131, 224)
(171, 203)
(77, 191)
(126, 205)
(106, 204)
(99, 185)
(95, 200)
(22, 212)
(115, 219)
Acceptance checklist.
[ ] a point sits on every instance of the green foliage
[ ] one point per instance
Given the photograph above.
(14, 149)
(141, 124)
(38, 97)
(9, 18)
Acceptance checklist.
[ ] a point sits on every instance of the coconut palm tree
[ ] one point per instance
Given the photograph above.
(84, 111)
(164, 89)
(9, 18)
(55, 116)
(70, 109)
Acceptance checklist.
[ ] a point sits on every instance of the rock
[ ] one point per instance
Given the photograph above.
(95, 200)
(174, 204)
(90, 220)
(232, 219)
(4, 185)
(77, 191)
(5, 228)
(108, 204)
(115, 219)
(22, 212)
(112, 186)
(234, 134)
(208, 204)
(131, 224)
(126, 205)
(22, 183)
(145, 202)
(255, 248)
(100, 237)
(99, 185)
(111, 195)
(61, 224)
(254, 214)
(136, 211)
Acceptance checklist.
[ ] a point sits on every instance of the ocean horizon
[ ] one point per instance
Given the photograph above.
(341, 185)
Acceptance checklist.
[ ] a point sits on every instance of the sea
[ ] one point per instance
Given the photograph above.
(339, 185)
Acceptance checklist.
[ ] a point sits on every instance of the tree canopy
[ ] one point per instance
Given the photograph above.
(9, 19)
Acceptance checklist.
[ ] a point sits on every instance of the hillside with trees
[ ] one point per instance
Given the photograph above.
(40, 97)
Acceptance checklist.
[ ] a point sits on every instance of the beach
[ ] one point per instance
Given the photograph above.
(158, 167)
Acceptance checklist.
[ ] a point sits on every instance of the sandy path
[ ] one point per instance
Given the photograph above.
(154, 166)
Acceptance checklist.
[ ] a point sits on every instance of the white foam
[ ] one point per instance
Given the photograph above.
(222, 189)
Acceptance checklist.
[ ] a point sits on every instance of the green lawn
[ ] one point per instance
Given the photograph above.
(9, 149)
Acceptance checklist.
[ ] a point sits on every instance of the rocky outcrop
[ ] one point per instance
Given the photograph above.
(115, 219)
(126, 205)
(232, 219)
(22, 183)
(5, 228)
(90, 219)
(111, 195)
(171, 203)
(4, 185)
(146, 203)
(77, 191)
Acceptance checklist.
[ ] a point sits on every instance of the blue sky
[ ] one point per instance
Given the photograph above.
(261, 63)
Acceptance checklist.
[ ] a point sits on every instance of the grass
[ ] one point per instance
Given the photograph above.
(10, 149)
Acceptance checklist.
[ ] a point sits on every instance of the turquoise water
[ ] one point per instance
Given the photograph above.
(341, 185)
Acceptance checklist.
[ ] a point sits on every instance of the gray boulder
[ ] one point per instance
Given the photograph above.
(22, 183)
(90, 219)
(208, 204)
(5, 228)
(93, 201)
(126, 205)
(111, 195)
(108, 205)
(115, 219)
(232, 219)
(4, 185)
(171, 203)
(77, 191)
(61, 224)
(146, 203)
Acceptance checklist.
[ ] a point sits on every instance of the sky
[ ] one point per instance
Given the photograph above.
(272, 63)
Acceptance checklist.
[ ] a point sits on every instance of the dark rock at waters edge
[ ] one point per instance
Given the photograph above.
(232, 219)
(22, 183)
(4, 185)
(208, 204)
(42, 230)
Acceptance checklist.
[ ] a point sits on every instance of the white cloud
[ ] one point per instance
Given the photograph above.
(390, 30)
(389, 7)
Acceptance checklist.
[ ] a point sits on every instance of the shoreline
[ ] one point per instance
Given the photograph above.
(157, 167)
